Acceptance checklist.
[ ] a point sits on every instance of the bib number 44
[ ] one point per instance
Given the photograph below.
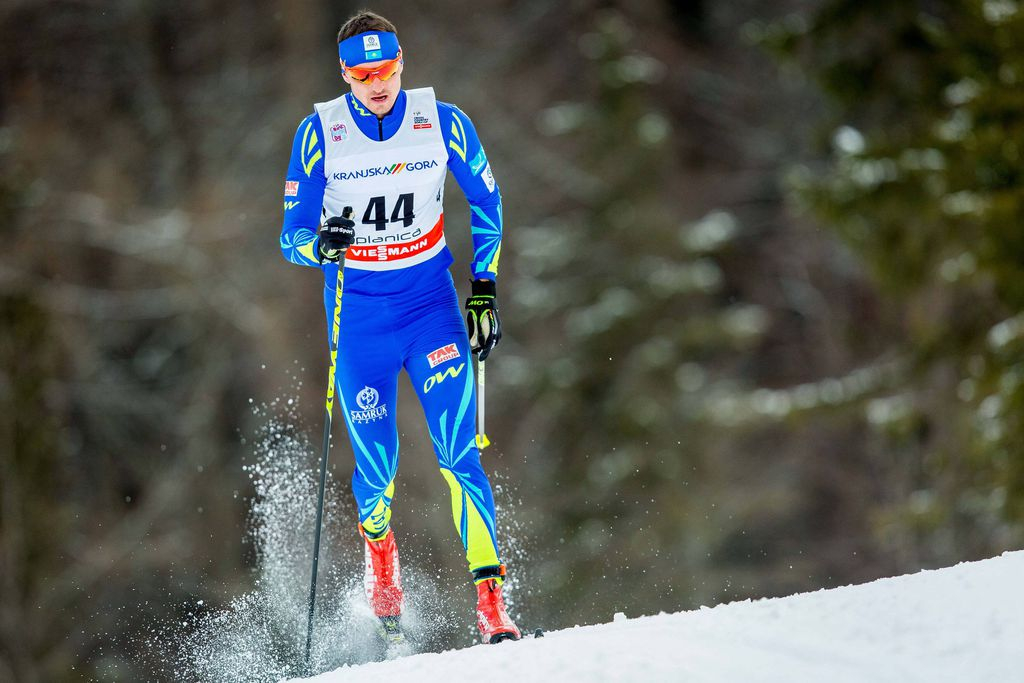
(376, 212)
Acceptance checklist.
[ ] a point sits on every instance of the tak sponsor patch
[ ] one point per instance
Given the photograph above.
(443, 355)
(291, 188)
(338, 132)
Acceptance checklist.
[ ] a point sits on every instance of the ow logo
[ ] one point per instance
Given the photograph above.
(439, 377)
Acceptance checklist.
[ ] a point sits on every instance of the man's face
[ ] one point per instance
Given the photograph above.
(376, 95)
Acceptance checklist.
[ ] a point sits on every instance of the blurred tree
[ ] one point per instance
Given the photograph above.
(924, 182)
(34, 521)
(704, 397)
(614, 276)
(659, 286)
(124, 361)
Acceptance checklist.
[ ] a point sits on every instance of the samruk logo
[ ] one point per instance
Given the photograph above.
(394, 169)
(367, 399)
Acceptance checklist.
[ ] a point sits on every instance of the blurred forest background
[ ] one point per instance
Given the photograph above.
(762, 289)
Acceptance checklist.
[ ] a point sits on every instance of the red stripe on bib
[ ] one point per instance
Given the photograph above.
(396, 251)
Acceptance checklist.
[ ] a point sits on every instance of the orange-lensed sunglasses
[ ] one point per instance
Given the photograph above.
(383, 72)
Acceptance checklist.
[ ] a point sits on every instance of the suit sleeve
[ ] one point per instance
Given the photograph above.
(468, 163)
(304, 194)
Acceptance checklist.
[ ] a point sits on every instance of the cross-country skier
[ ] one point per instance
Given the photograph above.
(385, 152)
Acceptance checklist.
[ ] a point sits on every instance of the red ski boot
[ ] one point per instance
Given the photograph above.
(491, 618)
(383, 579)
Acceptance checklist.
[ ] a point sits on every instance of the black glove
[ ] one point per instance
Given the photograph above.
(482, 319)
(335, 236)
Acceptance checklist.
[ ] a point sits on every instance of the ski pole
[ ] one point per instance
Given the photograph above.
(482, 441)
(329, 406)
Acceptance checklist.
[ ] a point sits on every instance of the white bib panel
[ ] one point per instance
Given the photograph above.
(395, 186)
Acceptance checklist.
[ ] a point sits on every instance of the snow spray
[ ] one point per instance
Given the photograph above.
(260, 635)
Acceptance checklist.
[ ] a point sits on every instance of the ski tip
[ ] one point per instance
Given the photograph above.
(396, 650)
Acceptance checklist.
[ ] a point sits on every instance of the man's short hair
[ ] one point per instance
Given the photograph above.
(363, 21)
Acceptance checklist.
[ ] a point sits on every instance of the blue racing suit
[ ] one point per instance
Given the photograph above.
(404, 317)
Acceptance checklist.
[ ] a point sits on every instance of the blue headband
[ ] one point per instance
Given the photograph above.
(372, 46)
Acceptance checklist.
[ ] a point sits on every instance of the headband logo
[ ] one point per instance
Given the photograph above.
(371, 42)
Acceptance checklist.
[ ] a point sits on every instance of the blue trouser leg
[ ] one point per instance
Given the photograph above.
(441, 370)
(369, 361)
(428, 336)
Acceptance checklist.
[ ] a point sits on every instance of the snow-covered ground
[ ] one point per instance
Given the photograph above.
(963, 623)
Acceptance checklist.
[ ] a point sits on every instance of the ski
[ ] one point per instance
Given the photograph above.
(502, 637)
(393, 637)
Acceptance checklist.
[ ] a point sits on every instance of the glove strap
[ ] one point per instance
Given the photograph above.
(321, 255)
(485, 288)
